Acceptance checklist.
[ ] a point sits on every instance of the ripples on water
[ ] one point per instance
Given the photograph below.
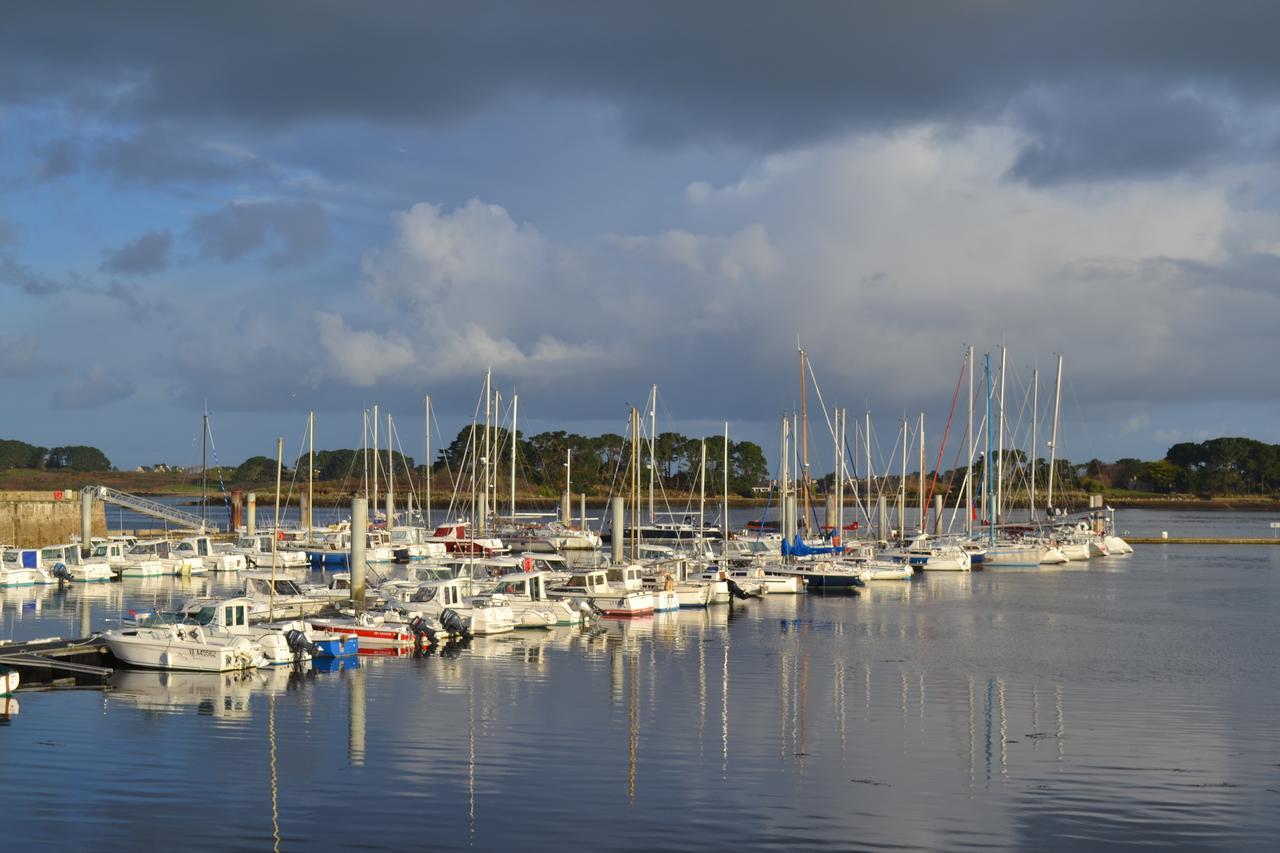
(1129, 702)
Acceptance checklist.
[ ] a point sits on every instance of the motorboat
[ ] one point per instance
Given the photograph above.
(821, 575)
(282, 643)
(22, 567)
(9, 680)
(457, 539)
(482, 614)
(66, 561)
(279, 597)
(375, 633)
(211, 558)
(593, 587)
(531, 607)
(885, 570)
(158, 557)
(256, 551)
(414, 543)
(187, 647)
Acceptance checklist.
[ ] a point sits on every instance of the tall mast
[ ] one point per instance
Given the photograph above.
(568, 471)
(986, 465)
(426, 448)
(635, 479)
(275, 534)
(867, 437)
(488, 403)
(391, 477)
(497, 414)
(653, 437)
(999, 515)
(204, 468)
(373, 507)
(784, 527)
(1053, 442)
(515, 414)
(804, 434)
(969, 440)
(1035, 422)
(364, 451)
(724, 530)
(841, 417)
(702, 490)
(311, 475)
(902, 484)
(920, 488)
(472, 444)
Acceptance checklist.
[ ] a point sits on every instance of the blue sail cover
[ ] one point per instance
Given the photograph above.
(799, 549)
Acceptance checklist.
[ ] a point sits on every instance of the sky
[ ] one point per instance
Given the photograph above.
(275, 208)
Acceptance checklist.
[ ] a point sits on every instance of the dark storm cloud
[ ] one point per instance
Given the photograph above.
(91, 390)
(762, 74)
(146, 254)
(292, 232)
(1095, 134)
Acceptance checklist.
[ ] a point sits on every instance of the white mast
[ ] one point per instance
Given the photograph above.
(373, 507)
(785, 473)
(724, 529)
(702, 491)
(1035, 422)
(391, 477)
(653, 431)
(515, 413)
(902, 485)
(999, 513)
(867, 436)
(482, 521)
(841, 417)
(364, 450)
(1053, 442)
(497, 414)
(426, 406)
(969, 439)
(922, 464)
(311, 475)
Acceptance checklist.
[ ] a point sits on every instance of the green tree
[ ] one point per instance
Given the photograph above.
(19, 454)
(77, 457)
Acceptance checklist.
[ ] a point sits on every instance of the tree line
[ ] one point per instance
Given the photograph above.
(19, 454)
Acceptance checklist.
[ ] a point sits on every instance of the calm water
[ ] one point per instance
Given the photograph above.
(1127, 703)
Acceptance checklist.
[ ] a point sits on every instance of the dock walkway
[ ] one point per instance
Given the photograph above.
(58, 662)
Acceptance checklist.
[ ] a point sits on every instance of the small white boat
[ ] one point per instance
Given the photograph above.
(374, 632)
(9, 680)
(884, 570)
(526, 592)
(281, 643)
(1116, 545)
(22, 567)
(593, 586)
(1052, 556)
(1011, 554)
(65, 561)
(187, 647)
(483, 615)
(279, 598)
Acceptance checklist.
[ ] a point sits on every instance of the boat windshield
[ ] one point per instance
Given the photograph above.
(204, 616)
(426, 593)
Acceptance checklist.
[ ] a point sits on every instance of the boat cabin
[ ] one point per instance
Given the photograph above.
(231, 614)
(194, 546)
(524, 586)
(22, 558)
(112, 552)
(161, 548)
(449, 593)
(260, 585)
(626, 577)
(595, 581)
(66, 554)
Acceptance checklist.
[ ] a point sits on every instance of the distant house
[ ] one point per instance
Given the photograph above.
(158, 468)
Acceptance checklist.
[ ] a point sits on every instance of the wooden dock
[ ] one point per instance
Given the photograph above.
(56, 662)
(1196, 540)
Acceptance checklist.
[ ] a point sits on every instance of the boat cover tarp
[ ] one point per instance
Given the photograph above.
(799, 549)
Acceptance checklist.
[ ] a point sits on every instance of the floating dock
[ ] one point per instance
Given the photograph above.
(56, 662)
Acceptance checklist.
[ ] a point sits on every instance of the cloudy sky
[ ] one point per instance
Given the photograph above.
(323, 205)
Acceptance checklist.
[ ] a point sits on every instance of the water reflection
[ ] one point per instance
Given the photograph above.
(577, 732)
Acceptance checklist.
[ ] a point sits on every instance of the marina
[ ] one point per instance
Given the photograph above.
(1005, 707)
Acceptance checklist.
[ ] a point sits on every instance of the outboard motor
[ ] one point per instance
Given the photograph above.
(589, 610)
(453, 622)
(299, 644)
(400, 555)
(61, 572)
(422, 632)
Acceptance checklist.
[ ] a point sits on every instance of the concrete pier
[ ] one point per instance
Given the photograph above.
(618, 532)
(359, 535)
(33, 519)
